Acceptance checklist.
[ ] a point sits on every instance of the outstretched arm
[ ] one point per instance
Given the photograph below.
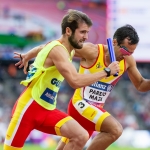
(24, 58)
(136, 78)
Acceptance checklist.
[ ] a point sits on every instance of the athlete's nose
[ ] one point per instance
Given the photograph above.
(86, 36)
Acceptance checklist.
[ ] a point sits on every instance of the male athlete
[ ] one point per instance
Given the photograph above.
(36, 106)
(86, 105)
(87, 102)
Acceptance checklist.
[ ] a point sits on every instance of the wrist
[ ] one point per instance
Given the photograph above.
(108, 71)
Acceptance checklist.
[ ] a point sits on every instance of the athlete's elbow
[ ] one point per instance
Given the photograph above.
(143, 86)
(141, 89)
(74, 83)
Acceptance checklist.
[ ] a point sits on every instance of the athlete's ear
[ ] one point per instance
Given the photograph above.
(68, 31)
(115, 43)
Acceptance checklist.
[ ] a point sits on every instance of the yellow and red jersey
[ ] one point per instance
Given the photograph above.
(97, 93)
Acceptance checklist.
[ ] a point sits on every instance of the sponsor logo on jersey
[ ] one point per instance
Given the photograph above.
(56, 82)
(102, 86)
(49, 96)
(98, 65)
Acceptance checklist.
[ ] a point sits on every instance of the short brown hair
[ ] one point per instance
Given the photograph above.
(73, 18)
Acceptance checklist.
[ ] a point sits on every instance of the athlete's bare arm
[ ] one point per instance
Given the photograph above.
(88, 52)
(59, 57)
(24, 58)
(135, 76)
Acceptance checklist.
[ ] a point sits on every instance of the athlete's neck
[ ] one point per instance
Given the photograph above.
(106, 55)
(64, 41)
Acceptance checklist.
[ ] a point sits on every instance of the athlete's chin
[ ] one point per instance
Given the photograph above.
(119, 59)
(79, 46)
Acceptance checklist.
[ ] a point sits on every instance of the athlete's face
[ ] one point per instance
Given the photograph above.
(124, 50)
(80, 35)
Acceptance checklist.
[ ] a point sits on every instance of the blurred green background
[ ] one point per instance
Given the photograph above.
(36, 147)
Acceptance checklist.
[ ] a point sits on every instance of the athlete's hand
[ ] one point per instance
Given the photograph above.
(114, 67)
(23, 62)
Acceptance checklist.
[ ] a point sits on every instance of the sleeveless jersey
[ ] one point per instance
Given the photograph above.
(45, 81)
(97, 93)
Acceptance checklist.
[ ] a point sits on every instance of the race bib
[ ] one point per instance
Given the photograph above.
(97, 92)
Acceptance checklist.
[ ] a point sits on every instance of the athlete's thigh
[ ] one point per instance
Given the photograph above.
(53, 122)
(72, 129)
(84, 122)
(109, 123)
(20, 126)
(17, 133)
(89, 116)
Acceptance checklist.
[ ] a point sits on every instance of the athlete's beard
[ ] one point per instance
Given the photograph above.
(74, 43)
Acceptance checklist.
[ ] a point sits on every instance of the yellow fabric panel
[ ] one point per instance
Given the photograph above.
(65, 140)
(22, 102)
(89, 113)
(100, 121)
(6, 147)
(60, 123)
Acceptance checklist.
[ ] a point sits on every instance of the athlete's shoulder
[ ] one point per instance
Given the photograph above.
(130, 61)
(89, 45)
(53, 42)
(91, 50)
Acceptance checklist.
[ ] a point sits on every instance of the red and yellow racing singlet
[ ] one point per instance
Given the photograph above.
(97, 93)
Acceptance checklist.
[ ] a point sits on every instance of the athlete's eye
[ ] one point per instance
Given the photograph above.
(83, 32)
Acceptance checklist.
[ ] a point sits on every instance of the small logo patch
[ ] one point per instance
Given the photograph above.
(49, 96)
(98, 65)
(56, 82)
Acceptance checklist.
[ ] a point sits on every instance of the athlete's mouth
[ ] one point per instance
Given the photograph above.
(82, 41)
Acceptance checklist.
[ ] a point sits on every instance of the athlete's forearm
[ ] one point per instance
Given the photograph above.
(77, 80)
(82, 80)
(144, 85)
(33, 52)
